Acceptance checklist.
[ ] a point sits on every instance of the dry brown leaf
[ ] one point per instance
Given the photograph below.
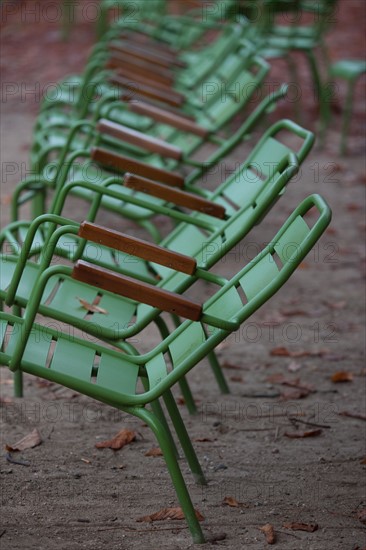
(155, 451)
(298, 526)
(294, 394)
(231, 501)
(282, 351)
(295, 313)
(203, 439)
(301, 435)
(93, 308)
(124, 437)
(342, 376)
(5, 200)
(236, 378)
(168, 513)
(363, 461)
(27, 442)
(269, 532)
(227, 365)
(353, 415)
(361, 515)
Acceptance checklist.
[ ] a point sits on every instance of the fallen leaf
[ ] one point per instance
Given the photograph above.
(361, 515)
(298, 526)
(236, 379)
(294, 366)
(280, 378)
(281, 351)
(168, 513)
(353, 415)
(295, 312)
(336, 305)
(203, 439)
(227, 365)
(294, 394)
(155, 451)
(342, 376)
(6, 200)
(231, 501)
(269, 532)
(27, 442)
(363, 461)
(353, 207)
(93, 308)
(124, 437)
(301, 435)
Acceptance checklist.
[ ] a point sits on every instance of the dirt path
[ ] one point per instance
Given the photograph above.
(73, 495)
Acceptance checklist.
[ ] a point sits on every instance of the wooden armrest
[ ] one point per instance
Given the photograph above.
(142, 79)
(136, 290)
(127, 164)
(147, 42)
(145, 54)
(153, 74)
(134, 137)
(180, 198)
(162, 95)
(137, 247)
(166, 117)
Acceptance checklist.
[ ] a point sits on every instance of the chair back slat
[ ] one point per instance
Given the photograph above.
(288, 244)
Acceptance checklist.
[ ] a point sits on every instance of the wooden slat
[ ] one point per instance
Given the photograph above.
(166, 117)
(180, 198)
(136, 290)
(146, 90)
(149, 56)
(137, 78)
(127, 164)
(134, 137)
(137, 247)
(154, 74)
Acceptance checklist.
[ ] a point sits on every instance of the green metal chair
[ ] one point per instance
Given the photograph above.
(112, 377)
(213, 228)
(350, 70)
(279, 40)
(211, 106)
(75, 94)
(165, 163)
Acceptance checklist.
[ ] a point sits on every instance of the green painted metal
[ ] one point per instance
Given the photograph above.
(81, 372)
(349, 70)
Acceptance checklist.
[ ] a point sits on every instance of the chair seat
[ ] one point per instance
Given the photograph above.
(348, 69)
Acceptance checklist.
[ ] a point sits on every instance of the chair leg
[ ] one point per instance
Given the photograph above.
(347, 117)
(294, 78)
(184, 438)
(159, 413)
(18, 383)
(174, 471)
(183, 384)
(321, 95)
(18, 374)
(219, 375)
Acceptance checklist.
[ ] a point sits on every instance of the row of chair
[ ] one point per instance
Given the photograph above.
(152, 163)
